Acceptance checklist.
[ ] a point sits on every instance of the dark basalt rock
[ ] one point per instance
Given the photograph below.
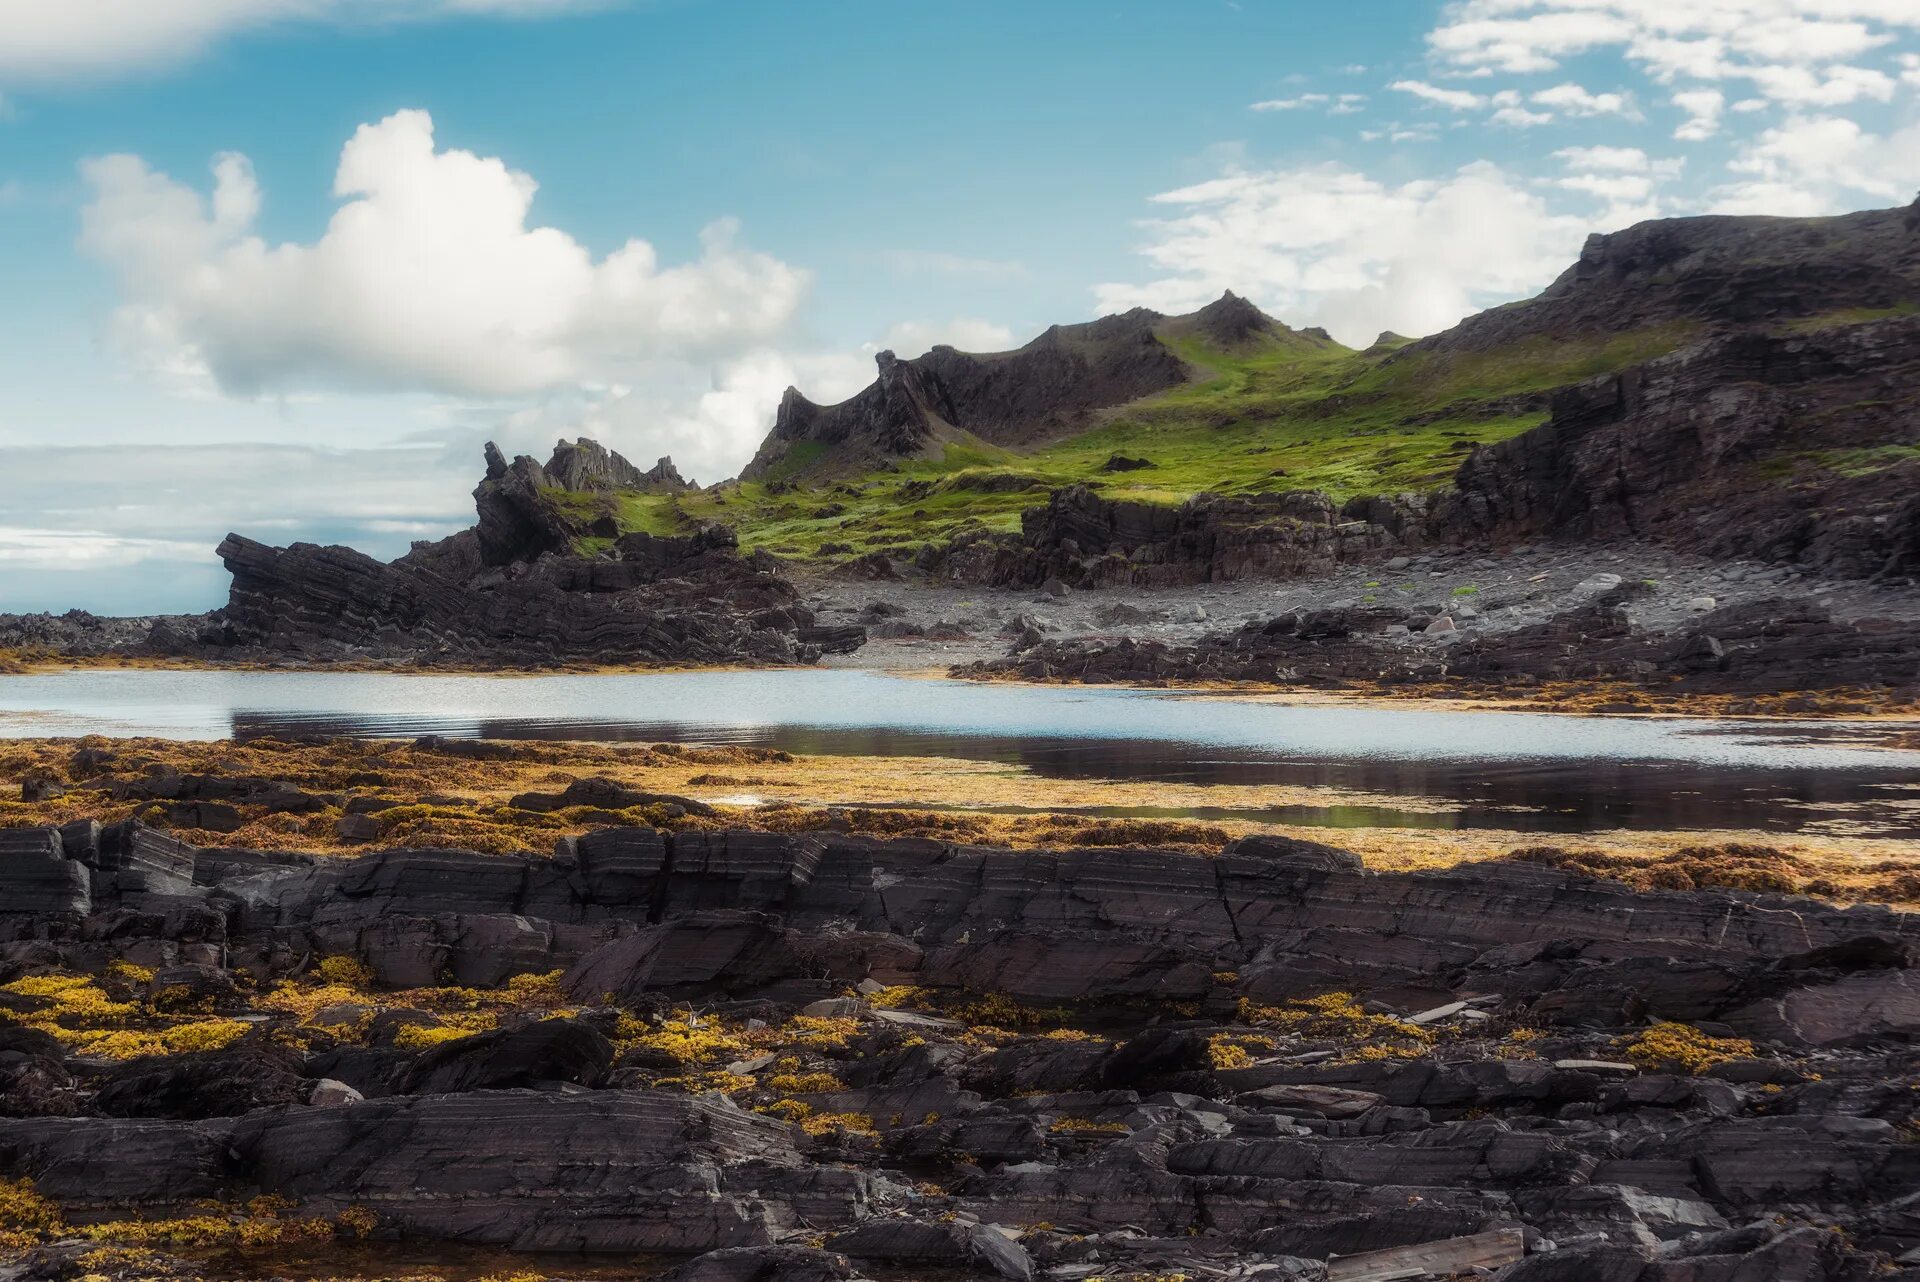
(223, 1083)
(1087, 541)
(549, 1051)
(1144, 1150)
(1668, 451)
(514, 591)
(1766, 646)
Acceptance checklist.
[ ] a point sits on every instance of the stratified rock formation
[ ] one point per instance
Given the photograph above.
(1051, 387)
(1696, 450)
(1262, 1064)
(519, 588)
(1767, 647)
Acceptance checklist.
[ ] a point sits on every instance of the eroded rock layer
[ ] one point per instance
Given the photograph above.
(1010, 1063)
(1762, 647)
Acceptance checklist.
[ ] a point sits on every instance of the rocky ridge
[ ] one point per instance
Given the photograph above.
(1784, 425)
(1053, 386)
(1270, 1063)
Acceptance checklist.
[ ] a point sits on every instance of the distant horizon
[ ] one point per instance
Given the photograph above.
(282, 269)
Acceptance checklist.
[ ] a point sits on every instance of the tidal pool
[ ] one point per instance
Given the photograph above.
(1531, 771)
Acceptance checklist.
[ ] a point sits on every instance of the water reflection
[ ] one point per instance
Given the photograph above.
(1537, 772)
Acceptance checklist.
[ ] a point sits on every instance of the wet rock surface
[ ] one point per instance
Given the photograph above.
(819, 1056)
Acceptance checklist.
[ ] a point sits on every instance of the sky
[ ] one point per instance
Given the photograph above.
(282, 266)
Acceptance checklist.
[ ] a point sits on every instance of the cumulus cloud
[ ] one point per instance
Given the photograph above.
(428, 277)
(1577, 100)
(49, 40)
(1822, 165)
(1704, 39)
(1331, 246)
(1794, 53)
(1629, 160)
(1703, 108)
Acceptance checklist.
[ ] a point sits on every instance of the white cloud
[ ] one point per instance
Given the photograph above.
(427, 278)
(1828, 87)
(1452, 99)
(1630, 160)
(1577, 100)
(912, 338)
(1703, 108)
(50, 40)
(1344, 104)
(1822, 165)
(1331, 246)
(1292, 104)
(1520, 117)
(1700, 39)
(710, 430)
(30, 548)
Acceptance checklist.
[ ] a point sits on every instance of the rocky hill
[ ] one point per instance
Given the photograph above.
(1716, 272)
(1054, 386)
(1744, 386)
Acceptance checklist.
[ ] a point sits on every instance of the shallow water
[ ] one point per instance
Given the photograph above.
(1535, 771)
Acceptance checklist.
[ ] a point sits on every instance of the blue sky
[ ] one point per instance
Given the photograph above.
(312, 343)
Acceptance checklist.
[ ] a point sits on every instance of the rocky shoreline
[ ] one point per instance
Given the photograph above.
(1024, 1063)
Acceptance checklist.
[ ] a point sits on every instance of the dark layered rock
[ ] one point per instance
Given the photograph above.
(513, 590)
(1139, 1151)
(85, 635)
(1714, 448)
(1770, 646)
(1086, 541)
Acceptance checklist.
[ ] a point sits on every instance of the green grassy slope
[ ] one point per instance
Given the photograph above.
(1281, 415)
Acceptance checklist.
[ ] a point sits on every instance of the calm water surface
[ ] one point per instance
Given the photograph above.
(1544, 772)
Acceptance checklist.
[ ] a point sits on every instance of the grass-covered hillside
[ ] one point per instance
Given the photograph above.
(1274, 414)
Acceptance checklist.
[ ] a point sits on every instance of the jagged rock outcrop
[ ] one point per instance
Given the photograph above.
(1051, 387)
(587, 467)
(519, 517)
(513, 590)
